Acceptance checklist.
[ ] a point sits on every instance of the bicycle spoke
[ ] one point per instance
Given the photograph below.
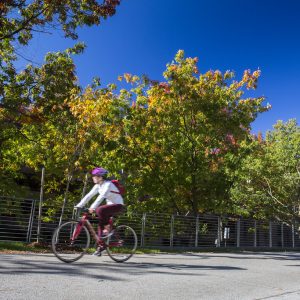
(122, 243)
(65, 247)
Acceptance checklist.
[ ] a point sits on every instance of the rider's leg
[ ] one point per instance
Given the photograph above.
(104, 212)
(100, 230)
(98, 251)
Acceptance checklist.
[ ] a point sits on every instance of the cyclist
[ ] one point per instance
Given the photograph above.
(108, 191)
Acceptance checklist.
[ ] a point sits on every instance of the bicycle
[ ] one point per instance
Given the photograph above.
(71, 240)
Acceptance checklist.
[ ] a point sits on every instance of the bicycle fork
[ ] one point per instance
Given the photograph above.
(77, 231)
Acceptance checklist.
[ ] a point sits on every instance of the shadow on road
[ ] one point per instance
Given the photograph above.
(44, 264)
(27, 265)
(250, 255)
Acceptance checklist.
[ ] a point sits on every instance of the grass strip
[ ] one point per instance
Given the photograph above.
(22, 247)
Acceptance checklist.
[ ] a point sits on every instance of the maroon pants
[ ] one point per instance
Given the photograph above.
(104, 212)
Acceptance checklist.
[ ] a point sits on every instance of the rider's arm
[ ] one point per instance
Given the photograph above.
(103, 194)
(88, 196)
(97, 202)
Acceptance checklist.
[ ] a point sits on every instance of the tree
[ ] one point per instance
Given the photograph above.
(35, 110)
(268, 185)
(32, 101)
(185, 135)
(19, 19)
(178, 141)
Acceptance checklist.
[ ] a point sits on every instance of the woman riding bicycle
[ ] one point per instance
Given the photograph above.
(106, 190)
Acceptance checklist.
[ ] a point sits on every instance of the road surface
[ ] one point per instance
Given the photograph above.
(159, 276)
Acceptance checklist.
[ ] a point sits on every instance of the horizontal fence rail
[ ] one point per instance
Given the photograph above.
(19, 221)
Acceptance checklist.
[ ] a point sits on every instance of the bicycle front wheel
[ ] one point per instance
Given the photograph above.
(121, 245)
(67, 249)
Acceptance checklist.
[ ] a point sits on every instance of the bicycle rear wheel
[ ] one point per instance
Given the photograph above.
(64, 248)
(121, 245)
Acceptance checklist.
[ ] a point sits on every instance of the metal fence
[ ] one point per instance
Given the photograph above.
(22, 220)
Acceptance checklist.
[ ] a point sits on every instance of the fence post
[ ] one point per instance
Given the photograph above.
(238, 233)
(40, 205)
(282, 237)
(293, 235)
(218, 244)
(172, 231)
(28, 238)
(143, 230)
(197, 231)
(255, 234)
(270, 234)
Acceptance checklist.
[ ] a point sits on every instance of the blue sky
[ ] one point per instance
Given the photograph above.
(233, 35)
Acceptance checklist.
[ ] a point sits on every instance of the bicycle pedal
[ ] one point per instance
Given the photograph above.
(97, 253)
(108, 235)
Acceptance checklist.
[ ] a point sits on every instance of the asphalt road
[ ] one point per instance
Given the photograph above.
(163, 276)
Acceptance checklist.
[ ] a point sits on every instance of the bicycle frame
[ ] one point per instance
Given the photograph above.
(84, 221)
(70, 243)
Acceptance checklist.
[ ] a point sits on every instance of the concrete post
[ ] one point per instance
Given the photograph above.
(282, 236)
(197, 231)
(172, 231)
(255, 234)
(270, 234)
(218, 244)
(143, 230)
(238, 233)
(40, 204)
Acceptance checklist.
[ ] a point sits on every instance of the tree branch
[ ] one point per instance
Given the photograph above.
(271, 194)
(23, 26)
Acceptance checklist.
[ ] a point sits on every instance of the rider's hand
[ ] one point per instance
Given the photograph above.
(91, 210)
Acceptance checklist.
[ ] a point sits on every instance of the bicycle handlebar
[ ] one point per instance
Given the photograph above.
(82, 209)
